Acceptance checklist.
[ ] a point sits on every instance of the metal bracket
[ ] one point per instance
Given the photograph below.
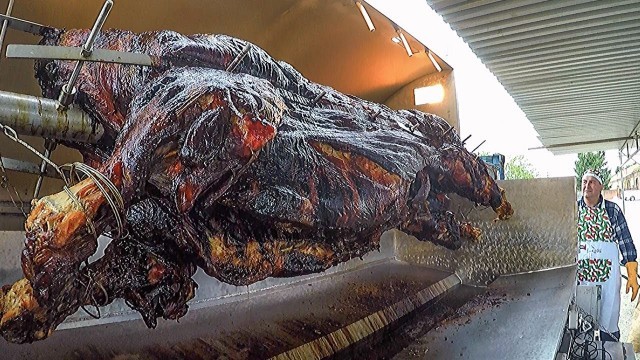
(26, 26)
(68, 91)
(75, 53)
(27, 167)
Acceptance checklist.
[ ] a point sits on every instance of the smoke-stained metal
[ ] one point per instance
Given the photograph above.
(36, 116)
(23, 25)
(5, 23)
(540, 235)
(68, 91)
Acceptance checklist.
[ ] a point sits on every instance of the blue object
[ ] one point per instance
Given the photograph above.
(496, 164)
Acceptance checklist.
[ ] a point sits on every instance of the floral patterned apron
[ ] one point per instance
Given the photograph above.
(598, 262)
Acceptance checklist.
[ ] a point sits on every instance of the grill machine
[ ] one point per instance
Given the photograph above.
(508, 295)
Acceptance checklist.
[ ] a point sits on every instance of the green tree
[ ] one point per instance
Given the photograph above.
(592, 160)
(519, 168)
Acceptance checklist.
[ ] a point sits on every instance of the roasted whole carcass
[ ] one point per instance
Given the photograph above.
(248, 175)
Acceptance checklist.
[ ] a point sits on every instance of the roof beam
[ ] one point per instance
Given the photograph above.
(613, 41)
(624, 66)
(608, 16)
(535, 64)
(596, 79)
(471, 9)
(610, 49)
(605, 90)
(532, 16)
(522, 41)
(560, 39)
(631, 109)
(587, 142)
(589, 103)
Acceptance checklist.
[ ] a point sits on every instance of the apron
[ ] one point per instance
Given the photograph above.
(598, 262)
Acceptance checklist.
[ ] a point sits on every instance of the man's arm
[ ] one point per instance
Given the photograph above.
(622, 235)
(627, 249)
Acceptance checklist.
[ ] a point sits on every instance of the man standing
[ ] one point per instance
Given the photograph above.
(602, 236)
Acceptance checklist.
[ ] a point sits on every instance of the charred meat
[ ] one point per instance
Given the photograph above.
(252, 174)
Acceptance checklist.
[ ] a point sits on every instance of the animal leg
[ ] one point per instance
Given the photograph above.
(430, 219)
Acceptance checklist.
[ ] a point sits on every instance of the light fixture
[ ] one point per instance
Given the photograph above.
(396, 39)
(365, 15)
(405, 43)
(428, 94)
(433, 60)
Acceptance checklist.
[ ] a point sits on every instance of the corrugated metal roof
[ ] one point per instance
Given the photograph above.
(573, 66)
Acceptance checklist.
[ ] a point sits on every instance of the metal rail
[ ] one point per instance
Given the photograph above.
(37, 116)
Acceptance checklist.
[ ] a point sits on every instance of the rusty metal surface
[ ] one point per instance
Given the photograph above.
(251, 327)
(540, 235)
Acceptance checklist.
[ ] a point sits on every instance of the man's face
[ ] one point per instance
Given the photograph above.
(591, 187)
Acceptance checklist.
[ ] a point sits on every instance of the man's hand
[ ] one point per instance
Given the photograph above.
(632, 281)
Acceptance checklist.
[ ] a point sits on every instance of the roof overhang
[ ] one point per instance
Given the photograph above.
(573, 67)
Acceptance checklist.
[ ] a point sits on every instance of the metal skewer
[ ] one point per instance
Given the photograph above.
(68, 91)
(5, 23)
(49, 146)
(317, 98)
(476, 148)
(232, 66)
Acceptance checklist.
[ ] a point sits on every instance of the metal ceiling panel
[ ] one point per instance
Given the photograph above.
(573, 66)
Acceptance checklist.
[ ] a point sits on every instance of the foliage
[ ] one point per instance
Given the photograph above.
(519, 168)
(592, 160)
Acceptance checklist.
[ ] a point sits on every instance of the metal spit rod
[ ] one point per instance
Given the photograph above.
(49, 146)
(37, 116)
(69, 90)
(5, 23)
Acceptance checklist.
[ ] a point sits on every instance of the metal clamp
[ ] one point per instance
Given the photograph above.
(68, 91)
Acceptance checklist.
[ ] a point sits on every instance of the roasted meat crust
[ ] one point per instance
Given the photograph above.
(248, 175)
